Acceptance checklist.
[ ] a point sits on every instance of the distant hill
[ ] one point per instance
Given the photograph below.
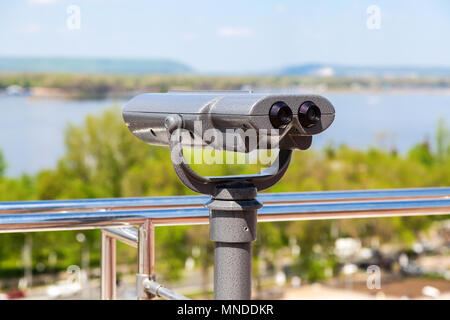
(362, 71)
(92, 65)
(167, 66)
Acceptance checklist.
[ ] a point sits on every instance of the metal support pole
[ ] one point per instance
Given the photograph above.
(233, 223)
(146, 258)
(159, 290)
(28, 260)
(108, 275)
(127, 235)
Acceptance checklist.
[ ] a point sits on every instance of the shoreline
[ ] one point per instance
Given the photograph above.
(100, 86)
(74, 95)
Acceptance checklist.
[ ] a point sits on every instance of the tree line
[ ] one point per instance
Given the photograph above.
(102, 159)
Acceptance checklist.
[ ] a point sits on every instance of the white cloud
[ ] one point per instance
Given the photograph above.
(42, 2)
(235, 32)
(189, 36)
(280, 8)
(200, 20)
(31, 28)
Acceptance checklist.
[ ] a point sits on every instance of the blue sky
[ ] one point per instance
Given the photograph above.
(232, 36)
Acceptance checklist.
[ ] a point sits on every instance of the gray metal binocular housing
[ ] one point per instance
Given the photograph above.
(289, 119)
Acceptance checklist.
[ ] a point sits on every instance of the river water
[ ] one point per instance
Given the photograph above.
(32, 130)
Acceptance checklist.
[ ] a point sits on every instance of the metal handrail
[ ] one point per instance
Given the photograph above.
(126, 235)
(198, 201)
(287, 207)
(116, 216)
(158, 290)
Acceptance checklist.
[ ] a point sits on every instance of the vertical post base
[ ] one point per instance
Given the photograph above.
(233, 224)
(232, 271)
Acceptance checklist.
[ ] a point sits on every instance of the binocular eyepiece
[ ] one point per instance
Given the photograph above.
(309, 114)
(281, 115)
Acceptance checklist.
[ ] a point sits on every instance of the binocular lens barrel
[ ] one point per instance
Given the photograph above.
(280, 115)
(309, 114)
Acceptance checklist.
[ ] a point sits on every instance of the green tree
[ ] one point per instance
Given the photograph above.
(103, 159)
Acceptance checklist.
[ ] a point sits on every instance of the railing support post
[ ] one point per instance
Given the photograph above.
(108, 268)
(146, 258)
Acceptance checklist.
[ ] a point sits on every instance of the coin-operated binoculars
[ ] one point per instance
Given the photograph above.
(234, 122)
